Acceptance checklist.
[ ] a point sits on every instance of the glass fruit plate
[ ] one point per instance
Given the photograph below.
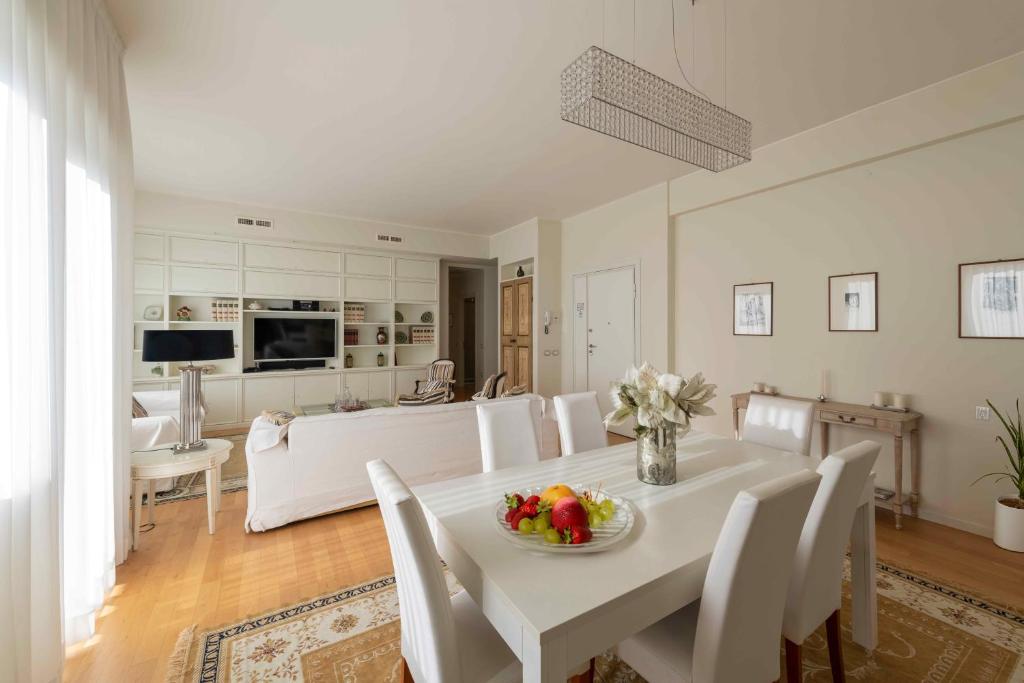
(604, 537)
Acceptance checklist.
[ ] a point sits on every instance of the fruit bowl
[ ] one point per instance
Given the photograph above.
(610, 532)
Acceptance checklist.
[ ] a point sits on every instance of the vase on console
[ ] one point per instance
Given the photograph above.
(663, 405)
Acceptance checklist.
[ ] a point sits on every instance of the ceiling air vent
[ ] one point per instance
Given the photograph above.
(393, 239)
(251, 222)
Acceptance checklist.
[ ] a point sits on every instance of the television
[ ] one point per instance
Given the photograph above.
(294, 338)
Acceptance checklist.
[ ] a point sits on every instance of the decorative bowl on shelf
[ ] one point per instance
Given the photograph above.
(399, 318)
(401, 338)
(427, 317)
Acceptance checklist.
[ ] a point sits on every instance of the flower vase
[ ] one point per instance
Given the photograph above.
(656, 456)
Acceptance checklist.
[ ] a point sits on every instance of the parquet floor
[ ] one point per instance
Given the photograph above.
(181, 575)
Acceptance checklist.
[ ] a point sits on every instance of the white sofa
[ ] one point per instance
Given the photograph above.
(159, 428)
(320, 465)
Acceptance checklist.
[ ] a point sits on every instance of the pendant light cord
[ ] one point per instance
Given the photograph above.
(675, 49)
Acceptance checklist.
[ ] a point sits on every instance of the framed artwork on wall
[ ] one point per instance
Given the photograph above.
(853, 302)
(752, 309)
(991, 302)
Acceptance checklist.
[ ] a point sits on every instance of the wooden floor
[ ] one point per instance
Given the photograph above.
(180, 576)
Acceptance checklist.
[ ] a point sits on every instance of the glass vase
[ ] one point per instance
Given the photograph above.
(656, 456)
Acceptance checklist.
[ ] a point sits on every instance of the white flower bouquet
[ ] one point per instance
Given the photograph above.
(659, 400)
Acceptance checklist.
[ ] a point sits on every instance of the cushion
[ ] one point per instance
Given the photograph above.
(137, 409)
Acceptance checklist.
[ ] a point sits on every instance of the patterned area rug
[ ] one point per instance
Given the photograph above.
(234, 474)
(927, 632)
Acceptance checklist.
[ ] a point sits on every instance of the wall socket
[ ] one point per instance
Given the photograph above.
(982, 413)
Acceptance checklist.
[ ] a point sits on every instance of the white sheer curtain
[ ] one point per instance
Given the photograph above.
(65, 226)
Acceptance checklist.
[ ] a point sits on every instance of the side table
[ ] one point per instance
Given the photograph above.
(148, 466)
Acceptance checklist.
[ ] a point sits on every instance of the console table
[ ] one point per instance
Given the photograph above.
(899, 425)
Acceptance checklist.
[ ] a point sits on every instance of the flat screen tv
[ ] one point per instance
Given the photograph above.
(294, 338)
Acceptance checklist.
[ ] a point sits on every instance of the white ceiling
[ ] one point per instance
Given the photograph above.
(444, 113)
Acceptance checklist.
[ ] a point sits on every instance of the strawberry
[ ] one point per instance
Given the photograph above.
(533, 499)
(568, 512)
(575, 535)
(509, 515)
(529, 509)
(513, 500)
(519, 516)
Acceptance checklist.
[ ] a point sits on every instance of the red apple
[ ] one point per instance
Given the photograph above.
(568, 512)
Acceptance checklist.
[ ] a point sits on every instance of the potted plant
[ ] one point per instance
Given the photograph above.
(662, 405)
(1009, 529)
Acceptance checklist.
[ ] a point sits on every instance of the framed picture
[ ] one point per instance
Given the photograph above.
(853, 302)
(752, 309)
(992, 300)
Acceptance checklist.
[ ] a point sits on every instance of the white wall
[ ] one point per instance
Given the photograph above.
(912, 217)
(538, 240)
(631, 230)
(187, 214)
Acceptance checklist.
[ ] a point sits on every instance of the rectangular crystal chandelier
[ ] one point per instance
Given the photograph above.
(612, 96)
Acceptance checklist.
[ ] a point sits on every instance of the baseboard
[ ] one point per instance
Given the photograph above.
(945, 520)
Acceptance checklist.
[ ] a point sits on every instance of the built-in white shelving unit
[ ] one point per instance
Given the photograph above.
(399, 294)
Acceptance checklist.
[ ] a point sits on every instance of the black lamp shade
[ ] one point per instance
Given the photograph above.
(172, 346)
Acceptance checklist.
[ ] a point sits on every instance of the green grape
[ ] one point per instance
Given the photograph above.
(540, 525)
(596, 520)
(526, 526)
(608, 506)
(606, 515)
(551, 536)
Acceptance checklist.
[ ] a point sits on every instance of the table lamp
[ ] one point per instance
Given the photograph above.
(174, 346)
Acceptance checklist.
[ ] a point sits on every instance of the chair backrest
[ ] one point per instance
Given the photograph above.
(740, 618)
(783, 423)
(507, 435)
(815, 587)
(442, 370)
(580, 426)
(498, 388)
(428, 629)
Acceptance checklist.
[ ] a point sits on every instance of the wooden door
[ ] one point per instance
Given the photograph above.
(517, 332)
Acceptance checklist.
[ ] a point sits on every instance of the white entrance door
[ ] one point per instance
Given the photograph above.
(604, 331)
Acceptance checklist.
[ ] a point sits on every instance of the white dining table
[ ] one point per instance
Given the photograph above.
(555, 612)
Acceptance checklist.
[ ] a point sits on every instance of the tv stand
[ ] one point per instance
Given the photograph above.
(264, 365)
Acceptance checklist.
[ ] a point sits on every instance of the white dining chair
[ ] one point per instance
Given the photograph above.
(508, 436)
(732, 633)
(782, 423)
(443, 638)
(580, 425)
(815, 586)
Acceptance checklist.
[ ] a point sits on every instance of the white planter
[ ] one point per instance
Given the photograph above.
(1009, 532)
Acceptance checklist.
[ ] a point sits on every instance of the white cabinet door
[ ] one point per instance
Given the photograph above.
(213, 252)
(362, 264)
(206, 280)
(415, 269)
(358, 384)
(149, 277)
(405, 380)
(221, 401)
(379, 385)
(289, 258)
(288, 285)
(267, 393)
(406, 290)
(149, 247)
(367, 289)
(312, 389)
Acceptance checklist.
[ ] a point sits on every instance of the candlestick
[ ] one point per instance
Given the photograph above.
(824, 385)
